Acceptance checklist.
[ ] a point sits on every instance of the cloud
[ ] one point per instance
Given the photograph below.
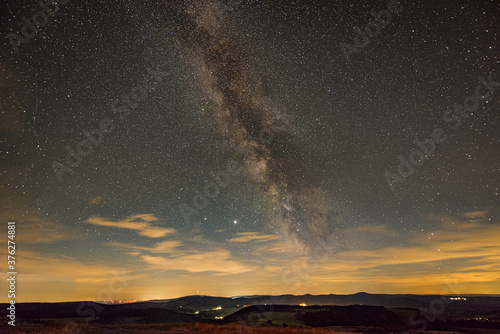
(475, 214)
(168, 246)
(96, 200)
(219, 261)
(140, 223)
(50, 277)
(253, 236)
(467, 253)
(32, 229)
(167, 255)
(458, 250)
(370, 229)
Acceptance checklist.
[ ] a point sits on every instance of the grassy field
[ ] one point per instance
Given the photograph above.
(276, 318)
(57, 327)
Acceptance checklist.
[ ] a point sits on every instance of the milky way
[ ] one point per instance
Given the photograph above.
(260, 134)
(264, 85)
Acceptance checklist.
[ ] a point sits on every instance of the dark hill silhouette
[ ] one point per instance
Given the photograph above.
(206, 302)
(101, 313)
(249, 311)
(323, 316)
(203, 308)
(354, 315)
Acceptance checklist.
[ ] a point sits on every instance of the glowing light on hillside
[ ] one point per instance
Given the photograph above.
(458, 298)
(127, 301)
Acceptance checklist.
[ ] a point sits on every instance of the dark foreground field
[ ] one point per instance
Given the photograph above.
(197, 328)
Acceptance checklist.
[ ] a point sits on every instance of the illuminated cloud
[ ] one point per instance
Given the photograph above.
(96, 200)
(168, 246)
(253, 236)
(465, 254)
(371, 229)
(475, 214)
(33, 229)
(468, 254)
(140, 223)
(218, 261)
(51, 277)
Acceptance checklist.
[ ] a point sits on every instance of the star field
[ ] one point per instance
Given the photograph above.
(210, 145)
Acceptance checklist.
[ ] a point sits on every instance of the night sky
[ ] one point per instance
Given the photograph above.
(237, 147)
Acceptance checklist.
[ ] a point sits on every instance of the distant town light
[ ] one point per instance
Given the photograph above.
(458, 298)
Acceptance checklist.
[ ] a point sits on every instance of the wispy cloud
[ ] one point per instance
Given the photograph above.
(168, 246)
(33, 229)
(475, 214)
(460, 248)
(468, 253)
(253, 236)
(140, 223)
(371, 229)
(219, 261)
(51, 277)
